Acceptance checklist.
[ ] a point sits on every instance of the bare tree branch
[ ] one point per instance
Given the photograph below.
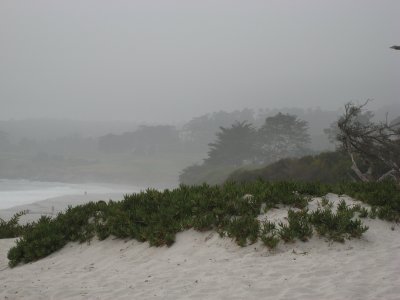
(356, 170)
(377, 144)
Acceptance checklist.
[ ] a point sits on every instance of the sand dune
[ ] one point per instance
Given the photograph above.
(205, 266)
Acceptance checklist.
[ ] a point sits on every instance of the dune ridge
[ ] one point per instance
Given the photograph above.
(201, 265)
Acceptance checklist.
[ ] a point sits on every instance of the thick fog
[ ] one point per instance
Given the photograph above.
(136, 92)
(169, 61)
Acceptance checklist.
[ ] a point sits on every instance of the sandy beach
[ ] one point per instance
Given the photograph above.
(205, 266)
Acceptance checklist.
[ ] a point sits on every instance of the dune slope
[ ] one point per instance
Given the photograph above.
(204, 266)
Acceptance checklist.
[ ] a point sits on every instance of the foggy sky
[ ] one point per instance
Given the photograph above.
(147, 60)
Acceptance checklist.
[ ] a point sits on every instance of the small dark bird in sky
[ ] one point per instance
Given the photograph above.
(395, 47)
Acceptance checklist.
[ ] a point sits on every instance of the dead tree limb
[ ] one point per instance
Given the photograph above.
(373, 143)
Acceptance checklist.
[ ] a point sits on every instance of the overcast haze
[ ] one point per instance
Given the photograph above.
(165, 61)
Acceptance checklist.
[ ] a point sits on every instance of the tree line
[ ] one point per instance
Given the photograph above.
(366, 150)
(243, 144)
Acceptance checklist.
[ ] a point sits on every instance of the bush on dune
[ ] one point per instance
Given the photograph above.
(337, 226)
(156, 216)
(11, 228)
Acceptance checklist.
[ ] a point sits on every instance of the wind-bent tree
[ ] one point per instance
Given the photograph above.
(200, 131)
(332, 132)
(234, 146)
(375, 144)
(281, 136)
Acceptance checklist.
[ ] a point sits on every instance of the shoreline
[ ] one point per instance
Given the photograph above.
(112, 181)
(52, 206)
(14, 196)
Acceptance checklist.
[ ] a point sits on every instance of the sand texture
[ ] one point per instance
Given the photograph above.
(205, 266)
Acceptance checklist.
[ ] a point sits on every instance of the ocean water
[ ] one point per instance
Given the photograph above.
(18, 192)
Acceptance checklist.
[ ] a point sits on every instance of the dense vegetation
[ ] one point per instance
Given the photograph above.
(230, 209)
(365, 151)
(327, 167)
(124, 152)
(12, 228)
(242, 144)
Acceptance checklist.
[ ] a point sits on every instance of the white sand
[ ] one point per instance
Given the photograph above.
(204, 266)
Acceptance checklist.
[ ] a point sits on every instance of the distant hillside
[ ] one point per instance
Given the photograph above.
(327, 167)
(48, 129)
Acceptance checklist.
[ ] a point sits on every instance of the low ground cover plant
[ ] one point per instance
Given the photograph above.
(340, 225)
(12, 228)
(156, 216)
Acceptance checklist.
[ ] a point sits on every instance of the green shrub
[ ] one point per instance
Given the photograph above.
(337, 226)
(269, 235)
(363, 213)
(286, 233)
(383, 195)
(298, 227)
(40, 240)
(12, 228)
(299, 224)
(156, 216)
(243, 229)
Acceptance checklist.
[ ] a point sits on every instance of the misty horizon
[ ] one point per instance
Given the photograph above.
(251, 141)
(168, 62)
(140, 91)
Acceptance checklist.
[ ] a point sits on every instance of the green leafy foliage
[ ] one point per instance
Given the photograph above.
(269, 235)
(384, 197)
(230, 209)
(337, 226)
(363, 212)
(243, 229)
(40, 240)
(299, 225)
(12, 228)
